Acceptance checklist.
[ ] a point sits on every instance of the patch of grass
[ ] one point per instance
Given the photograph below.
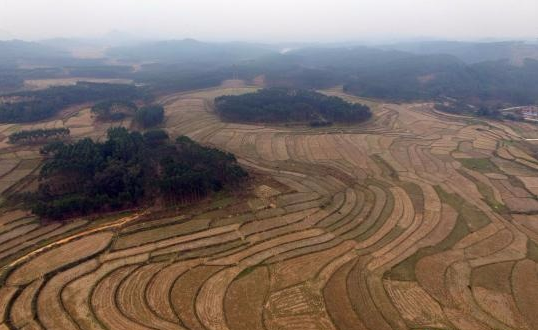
(392, 235)
(450, 199)
(489, 198)
(247, 271)
(473, 217)
(381, 219)
(222, 199)
(482, 165)
(388, 170)
(164, 257)
(514, 181)
(405, 270)
(469, 220)
(487, 192)
(211, 251)
(532, 250)
(414, 192)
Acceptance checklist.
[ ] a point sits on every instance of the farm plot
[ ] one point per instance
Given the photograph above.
(414, 220)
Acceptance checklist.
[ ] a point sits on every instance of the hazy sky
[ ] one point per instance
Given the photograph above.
(272, 20)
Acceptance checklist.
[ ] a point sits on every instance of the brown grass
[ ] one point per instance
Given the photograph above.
(394, 224)
(160, 286)
(525, 286)
(131, 298)
(245, 298)
(104, 302)
(49, 305)
(60, 256)
(22, 311)
(338, 303)
(184, 292)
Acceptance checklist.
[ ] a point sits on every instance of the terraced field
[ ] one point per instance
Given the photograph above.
(414, 220)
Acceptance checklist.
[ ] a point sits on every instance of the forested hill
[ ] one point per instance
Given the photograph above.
(42, 104)
(281, 105)
(471, 52)
(127, 170)
(15, 51)
(401, 76)
(483, 74)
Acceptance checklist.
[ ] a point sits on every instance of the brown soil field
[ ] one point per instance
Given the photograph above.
(414, 220)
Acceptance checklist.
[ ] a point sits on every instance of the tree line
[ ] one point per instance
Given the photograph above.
(149, 116)
(42, 104)
(283, 105)
(38, 135)
(146, 116)
(113, 109)
(128, 170)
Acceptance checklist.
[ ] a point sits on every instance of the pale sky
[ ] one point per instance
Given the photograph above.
(272, 20)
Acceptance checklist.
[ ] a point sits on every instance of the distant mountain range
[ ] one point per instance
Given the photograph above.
(472, 52)
(127, 47)
(496, 72)
(191, 51)
(17, 51)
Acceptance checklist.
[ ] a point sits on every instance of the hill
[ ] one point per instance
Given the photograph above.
(396, 75)
(41, 104)
(472, 52)
(189, 51)
(15, 52)
(128, 169)
(280, 105)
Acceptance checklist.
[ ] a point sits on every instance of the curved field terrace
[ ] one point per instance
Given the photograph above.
(411, 220)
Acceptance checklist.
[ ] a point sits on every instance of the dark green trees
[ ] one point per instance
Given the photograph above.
(127, 170)
(149, 116)
(288, 105)
(114, 109)
(198, 171)
(38, 135)
(146, 117)
(42, 104)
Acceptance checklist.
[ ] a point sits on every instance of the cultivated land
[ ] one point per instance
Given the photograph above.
(412, 220)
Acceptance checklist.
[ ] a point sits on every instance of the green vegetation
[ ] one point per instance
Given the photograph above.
(113, 109)
(472, 217)
(403, 76)
(444, 72)
(247, 271)
(469, 220)
(42, 104)
(532, 250)
(388, 171)
(10, 81)
(149, 116)
(405, 270)
(146, 117)
(487, 192)
(38, 135)
(482, 165)
(289, 105)
(127, 170)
